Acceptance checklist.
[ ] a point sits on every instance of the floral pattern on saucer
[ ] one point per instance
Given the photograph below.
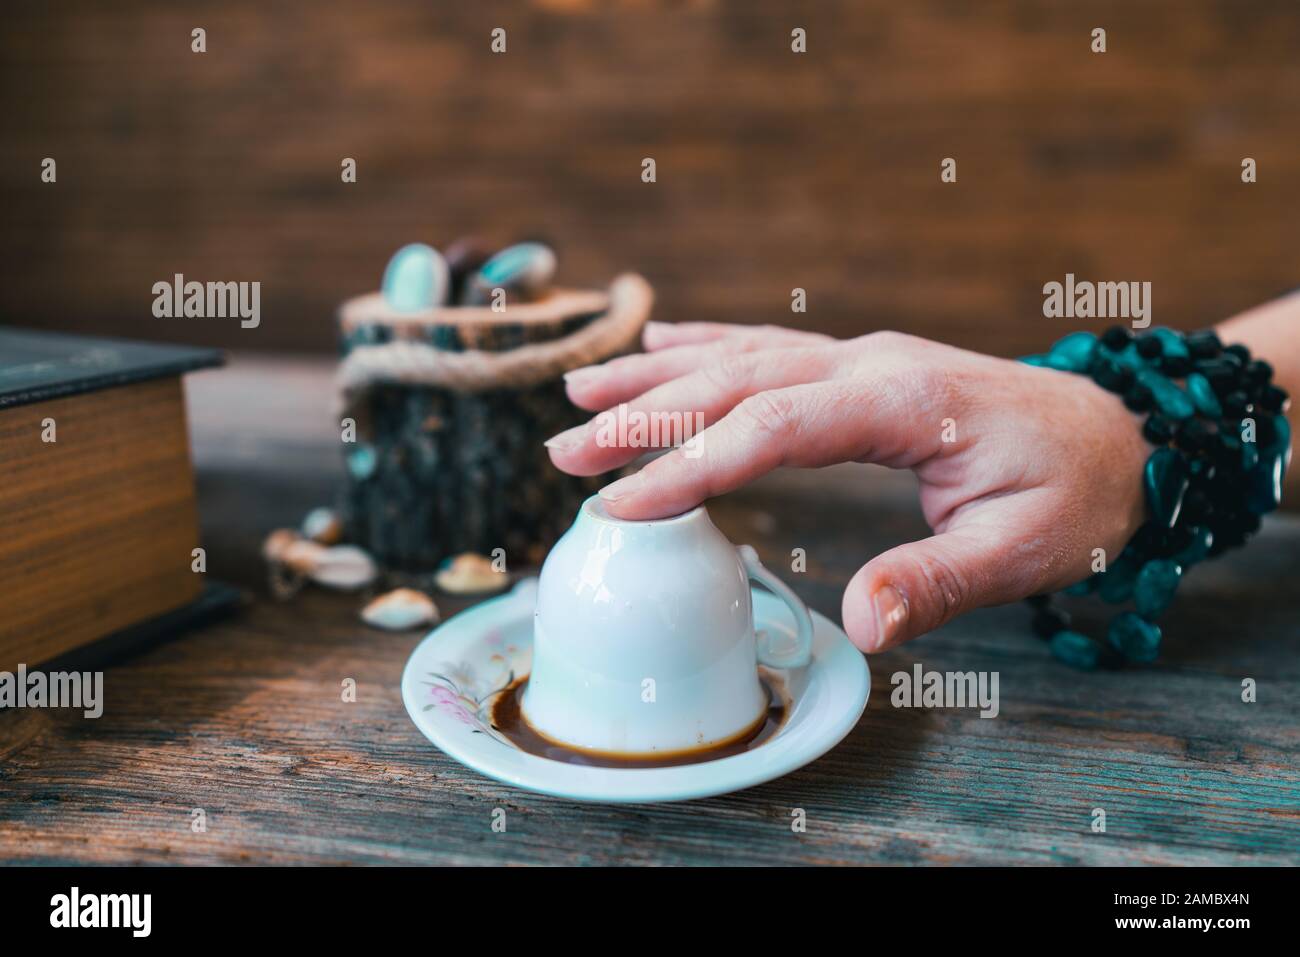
(466, 690)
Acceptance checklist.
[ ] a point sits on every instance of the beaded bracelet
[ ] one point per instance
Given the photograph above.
(1222, 446)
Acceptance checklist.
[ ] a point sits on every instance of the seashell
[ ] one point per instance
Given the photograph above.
(322, 525)
(273, 548)
(469, 574)
(400, 610)
(302, 556)
(416, 278)
(345, 567)
(525, 269)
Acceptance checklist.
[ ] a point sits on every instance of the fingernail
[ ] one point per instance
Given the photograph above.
(568, 440)
(584, 374)
(622, 488)
(891, 616)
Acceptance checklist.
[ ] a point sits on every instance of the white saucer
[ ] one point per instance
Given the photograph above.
(455, 672)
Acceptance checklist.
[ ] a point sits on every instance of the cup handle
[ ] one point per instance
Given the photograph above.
(801, 653)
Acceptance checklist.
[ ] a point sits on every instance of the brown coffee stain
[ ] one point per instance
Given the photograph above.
(508, 719)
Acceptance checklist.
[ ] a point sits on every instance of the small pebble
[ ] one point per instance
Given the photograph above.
(469, 574)
(322, 525)
(416, 278)
(302, 555)
(400, 610)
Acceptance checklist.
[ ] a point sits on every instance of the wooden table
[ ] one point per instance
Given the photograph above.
(244, 718)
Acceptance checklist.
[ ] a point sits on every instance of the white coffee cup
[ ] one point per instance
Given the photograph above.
(644, 638)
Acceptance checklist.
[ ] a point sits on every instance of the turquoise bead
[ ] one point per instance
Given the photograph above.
(1264, 484)
(1165, 481)
(1039, 360)
(362, 462)
(1203, 397)
(1198, 550)
(1076, 650)
(416, 278)
(1129, 356)
(1155, 587)
(1134, 638)
(1074, 352)
(1171, 343)
(1171, 400)
(1118, 580)
(1249, 455)
(1282, 443)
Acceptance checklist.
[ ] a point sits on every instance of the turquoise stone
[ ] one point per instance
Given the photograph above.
(362, 462)
(1118, 580)
(1081, 588)
(1074, 352)
(1264, 484)
(1134, 638)
(1203, 397)
(1282, 443)
(1171, 400)
(525, 269)
(1036, 360)
(416, 278)
(1129, 356)
(1165, 481)
(1249, 456)
(1198, 550)
(1264, 475)
(1171, 343)
(1155, 587)
(1076, 650)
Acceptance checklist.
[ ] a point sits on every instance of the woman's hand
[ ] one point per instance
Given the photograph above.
(1023, 470)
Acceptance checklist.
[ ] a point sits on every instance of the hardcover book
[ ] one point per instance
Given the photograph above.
(98, 517)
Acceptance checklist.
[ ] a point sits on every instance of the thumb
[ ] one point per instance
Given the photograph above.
(917, 587)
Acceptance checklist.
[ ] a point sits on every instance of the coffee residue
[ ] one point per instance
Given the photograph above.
(508, 718)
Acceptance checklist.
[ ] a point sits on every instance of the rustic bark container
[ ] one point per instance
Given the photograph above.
(452, 405)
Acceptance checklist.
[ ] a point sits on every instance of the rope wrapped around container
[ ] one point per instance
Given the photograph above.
(452, 405)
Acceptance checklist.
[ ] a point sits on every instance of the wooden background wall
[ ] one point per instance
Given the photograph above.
(775, 170)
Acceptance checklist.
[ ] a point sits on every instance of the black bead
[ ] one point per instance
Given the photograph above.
(1176, 366)
(1196, 506)
(1116, 338)
(1273, 398)
(1192, 435)
(1221, 374)
(1265, 430)
(1237, 349)
(1110, 375)
(1048, 621)
(1258, 371)
(1157, 430)
(1138, 398)
(1204, 344)
(1149, 347)
(1235, 404)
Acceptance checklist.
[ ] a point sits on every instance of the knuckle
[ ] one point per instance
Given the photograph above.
(948, 589)
(767, 415)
